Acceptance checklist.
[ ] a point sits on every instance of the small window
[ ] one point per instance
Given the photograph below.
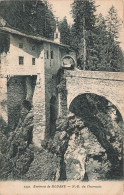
(56, 35)
(47, 54)
(51, 54)
(21, 60)
(20, 45)
(33, 47)
(33, 61)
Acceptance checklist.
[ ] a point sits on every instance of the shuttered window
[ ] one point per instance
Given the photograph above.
(33, 61)
(21, 60)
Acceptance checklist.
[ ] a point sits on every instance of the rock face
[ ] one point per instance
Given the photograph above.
(18, 154)
(75, 157)
(44, 167)
(96, 164)
(76, 153)
(85, 158)
(89, 155)
(79, 150)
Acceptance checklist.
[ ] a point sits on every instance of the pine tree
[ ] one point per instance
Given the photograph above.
(84, 21)
(95, 39)
(98, 58)
(65, 31)
(108, 55)
(113, 50)
(113, 23)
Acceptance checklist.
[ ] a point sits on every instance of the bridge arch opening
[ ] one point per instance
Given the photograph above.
(104, 121)
(87, 104)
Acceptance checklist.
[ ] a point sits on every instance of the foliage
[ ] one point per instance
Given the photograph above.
(83, 10)
(64, 31)
(34, 17)
(16, 149)
(114, 53)
(113, 23)
(106, 54)
(81, 34)
(95, 39)
(101, 139)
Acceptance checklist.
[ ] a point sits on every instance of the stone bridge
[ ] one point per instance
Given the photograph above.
(109, 85)
(71, 84)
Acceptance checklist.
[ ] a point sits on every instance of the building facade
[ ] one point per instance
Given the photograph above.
(29, 67)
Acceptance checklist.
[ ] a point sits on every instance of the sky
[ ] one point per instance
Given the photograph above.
(62, 8)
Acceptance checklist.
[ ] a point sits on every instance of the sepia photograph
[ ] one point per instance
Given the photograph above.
(61, 97)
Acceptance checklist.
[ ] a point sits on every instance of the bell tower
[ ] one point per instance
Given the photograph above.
(57, 33)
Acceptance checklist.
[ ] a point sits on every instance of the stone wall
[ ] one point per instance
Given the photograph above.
(39, 110)
(19, 88)
(52, 67)
(3, 99)
(16, 93)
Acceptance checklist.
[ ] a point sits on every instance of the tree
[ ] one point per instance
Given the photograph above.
(34, 17)
(95, 39)
(84, 21)
(65, 31)
(107, 55)
(113, 23)
(114, 54)
(97, 60)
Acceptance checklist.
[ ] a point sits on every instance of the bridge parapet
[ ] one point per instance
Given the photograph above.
(95, 74)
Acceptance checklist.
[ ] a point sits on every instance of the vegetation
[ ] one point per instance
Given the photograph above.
(95, 39)
(64, 31)
(82, 30)
(16, 148)
(33, 17)
(97, 134)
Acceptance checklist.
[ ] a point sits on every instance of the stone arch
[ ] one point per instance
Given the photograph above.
(70, 62)
(107, 97)
(107, 101)
(53, 115)
(101, 125)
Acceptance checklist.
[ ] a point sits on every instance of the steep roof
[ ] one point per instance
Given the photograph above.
(37, 38)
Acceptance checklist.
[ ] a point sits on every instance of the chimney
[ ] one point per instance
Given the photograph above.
(57, 33)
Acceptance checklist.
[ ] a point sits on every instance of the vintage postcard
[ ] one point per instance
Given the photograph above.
(61, 97)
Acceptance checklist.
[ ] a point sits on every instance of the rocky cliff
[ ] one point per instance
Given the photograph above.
(81, 149)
